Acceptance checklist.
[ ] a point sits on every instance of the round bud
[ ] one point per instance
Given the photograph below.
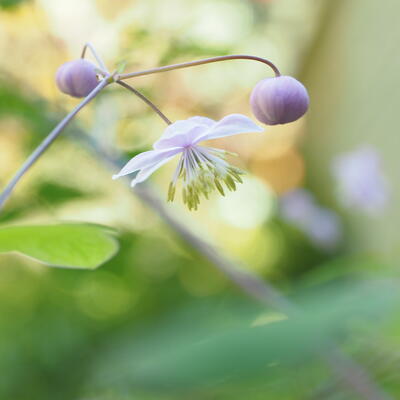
(77, 78)
(279, 100)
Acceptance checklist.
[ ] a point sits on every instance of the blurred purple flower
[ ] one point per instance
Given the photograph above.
(322, 226)
(297, 207)
(361, 183)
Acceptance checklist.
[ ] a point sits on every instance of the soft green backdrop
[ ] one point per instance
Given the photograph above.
(157, 321)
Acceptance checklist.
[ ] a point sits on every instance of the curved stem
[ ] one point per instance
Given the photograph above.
(199, 62)
(95, 55)
(146, 100)
(49, 140)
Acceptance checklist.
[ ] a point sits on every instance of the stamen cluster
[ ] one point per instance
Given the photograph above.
(202, 170)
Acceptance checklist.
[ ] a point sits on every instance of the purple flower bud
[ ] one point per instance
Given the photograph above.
(279, 100)
(77, 78)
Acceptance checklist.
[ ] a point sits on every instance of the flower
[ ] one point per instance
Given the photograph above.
(361, 183)
(297, 207)
(279, 100)
(321, 225)
(202, 169)
(324, 229)
(77, 78)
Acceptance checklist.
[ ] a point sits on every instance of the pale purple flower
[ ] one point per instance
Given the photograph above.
(297, 207)
(324, 228)
(320, 225)
(202, 169)
(361, 183)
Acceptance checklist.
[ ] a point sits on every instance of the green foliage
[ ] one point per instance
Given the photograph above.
(10, 3)
(67, 334)
(80, 246)
(192, 351)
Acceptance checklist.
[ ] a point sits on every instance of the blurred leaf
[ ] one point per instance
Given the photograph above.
(30, 108)
(57, 194)
(10, 3)
(177, 355)
(80, 246)
(121, 66)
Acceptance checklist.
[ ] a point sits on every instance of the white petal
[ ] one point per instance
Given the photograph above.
(147, 159)
(146, 172)
(230, 125)
(183, 133)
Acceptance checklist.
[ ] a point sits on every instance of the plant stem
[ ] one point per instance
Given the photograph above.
(95, 55)
(105, 71)
(146, 100)
(348, 372)
(48, 141)
(199, 62)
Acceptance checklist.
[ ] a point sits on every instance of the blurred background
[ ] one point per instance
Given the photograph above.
(316, 215)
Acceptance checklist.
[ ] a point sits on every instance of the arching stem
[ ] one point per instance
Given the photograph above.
(199, 62)
(99, 60)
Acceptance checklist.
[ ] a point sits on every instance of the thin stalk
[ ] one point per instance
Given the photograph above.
(104, 70)
(48, 141)
(199, 62)
(95, 55)
(146, 100)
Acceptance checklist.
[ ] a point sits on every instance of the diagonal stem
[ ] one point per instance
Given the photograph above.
(348, 372)
(48, 141)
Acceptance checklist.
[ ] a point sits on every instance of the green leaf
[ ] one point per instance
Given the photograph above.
(81, 246)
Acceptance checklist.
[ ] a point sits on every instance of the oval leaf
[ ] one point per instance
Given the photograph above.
(81, 246)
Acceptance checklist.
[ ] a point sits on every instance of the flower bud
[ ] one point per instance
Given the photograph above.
(77, 78)
(279, 100)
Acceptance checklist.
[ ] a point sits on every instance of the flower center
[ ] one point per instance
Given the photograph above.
(202, 170)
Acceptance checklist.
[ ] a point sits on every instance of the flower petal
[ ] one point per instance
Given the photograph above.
(146, 172)
(230, 125)
(183, 133)
(203, 121)
(147, 159)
